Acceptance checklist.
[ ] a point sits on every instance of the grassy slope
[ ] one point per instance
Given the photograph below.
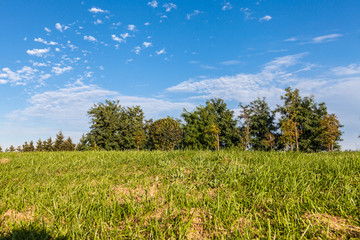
(191, 194)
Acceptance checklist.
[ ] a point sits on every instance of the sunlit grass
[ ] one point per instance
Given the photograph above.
(179, 195)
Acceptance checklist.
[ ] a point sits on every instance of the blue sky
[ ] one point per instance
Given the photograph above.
(58, 58)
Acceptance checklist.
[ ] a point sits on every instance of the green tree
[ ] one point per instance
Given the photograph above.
(1, 149)
(39, 145)
(245, 127)
(11, 149)
(68, 145)
(48, 145)
(139, 138)
(215, 131)
(113, 126)
(200, 120)
(258, 122)
(59, 142)
(330, 130)
(83, 144)
(165, 134)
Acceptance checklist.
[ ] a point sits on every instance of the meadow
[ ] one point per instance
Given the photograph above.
(179, 195)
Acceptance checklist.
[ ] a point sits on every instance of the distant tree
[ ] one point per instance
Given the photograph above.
(39, 145)
(48, 145)
(31, 146)
(139, 137)
(25, 147)
(59, 142)
(201, 119)
(11, 149)
(1, 149)
(82, 144)
(165, 134)
(258, 121)
(290, 111)
(215, 131)
(68, 145)
(113, 126)
(269, 140)
(245, 127)
(289, 131)
(330, 130)
(18, 149)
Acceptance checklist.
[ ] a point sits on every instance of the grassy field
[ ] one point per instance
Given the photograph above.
(179, 195)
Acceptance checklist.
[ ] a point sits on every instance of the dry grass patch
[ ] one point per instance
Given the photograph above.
(4, 161)
(13, 216)
(335, 225)
(136, 193)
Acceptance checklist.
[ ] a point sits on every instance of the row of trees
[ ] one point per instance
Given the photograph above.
(300, 124)
(60, 144)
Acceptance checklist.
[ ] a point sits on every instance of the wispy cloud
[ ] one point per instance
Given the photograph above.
(22, 76)
(38, 52)
(40, 40)
(47, 30)
(169, 6)
(131, 27)
(147, 44)
(61, 70)
(247, 12)
(226, 6)
(97, 10)
(292, 39)
(194, 13)
(153, 4)
(265, 18)
(230, 62)
(351, 69)
(60, 27)
(162, 51)
(90, 38)
(326, 38)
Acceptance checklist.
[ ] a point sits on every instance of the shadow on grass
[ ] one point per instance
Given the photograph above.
(29, 233)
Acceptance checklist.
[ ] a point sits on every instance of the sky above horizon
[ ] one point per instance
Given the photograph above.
(59, 58)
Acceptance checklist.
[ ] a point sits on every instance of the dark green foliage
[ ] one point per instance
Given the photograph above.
(39, 146)
(165, 134)
(48, 145)
(198, 122)
(83, 144)
(68, 145)
(261, 122)
(28, 147)
(308, 114)
(59, 142)
(113, 126)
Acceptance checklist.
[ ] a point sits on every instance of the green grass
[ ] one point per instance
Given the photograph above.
(180, 195)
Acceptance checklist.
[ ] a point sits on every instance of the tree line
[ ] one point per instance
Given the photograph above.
(299, 124)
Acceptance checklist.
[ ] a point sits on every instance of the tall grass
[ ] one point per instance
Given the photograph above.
(179, 195)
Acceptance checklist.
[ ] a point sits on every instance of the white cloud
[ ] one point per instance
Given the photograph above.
(162, 51)
(38, 52)
(226, 6)
(292, 39)
(147, 24)
(98, 21)
(326, 38)
(47, 29)
(36, 64)
(137, 49)
(131, 27)
(122, 39)
(153, 4)
(60, 27)
(147, 44)
(117, 39)
(230, 62)
(40, 40)
(194, 13)
(351, 69)
(169, 6)
(247, 12)
(59, 70)
(265, 18)
(2, 81)
(23, 76)
(90, 38)
(97, 10)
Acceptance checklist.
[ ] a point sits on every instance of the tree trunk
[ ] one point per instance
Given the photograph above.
(218, 142)
(332, 147)
(138, 147)
(296, 138)
(292, 147)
